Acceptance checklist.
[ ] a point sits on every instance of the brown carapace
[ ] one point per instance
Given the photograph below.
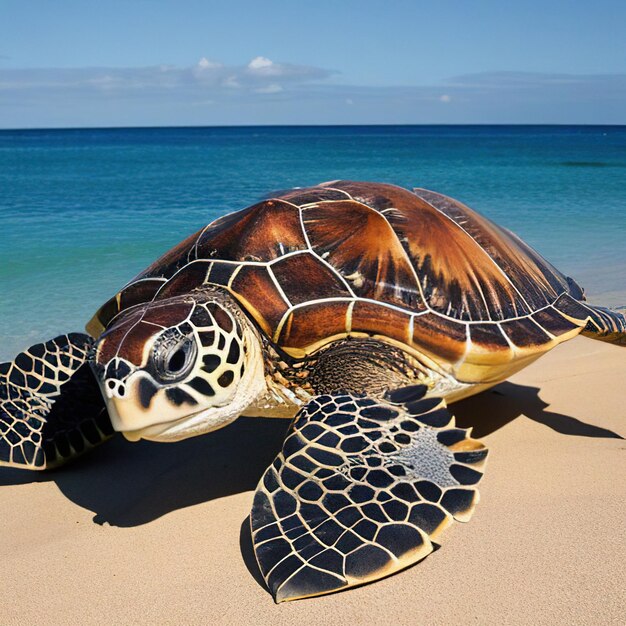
(358, 308)
(364, 259)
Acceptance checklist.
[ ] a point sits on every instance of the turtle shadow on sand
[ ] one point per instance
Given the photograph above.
(129, 484)
(493, 409)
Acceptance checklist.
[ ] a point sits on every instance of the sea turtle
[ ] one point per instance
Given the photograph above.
(356, 309)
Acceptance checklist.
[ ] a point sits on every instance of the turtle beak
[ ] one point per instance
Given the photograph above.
(136, 401)
(148, 411)
(127, 392)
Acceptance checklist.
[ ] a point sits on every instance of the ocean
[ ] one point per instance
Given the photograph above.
(83, 211)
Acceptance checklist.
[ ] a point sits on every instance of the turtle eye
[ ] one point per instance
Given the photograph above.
(174, 359)
(177, 361)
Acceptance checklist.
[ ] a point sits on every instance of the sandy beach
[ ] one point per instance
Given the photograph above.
(157, 533)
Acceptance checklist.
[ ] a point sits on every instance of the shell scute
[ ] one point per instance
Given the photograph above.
(185, 280)
(439, 336)
(309, 327)
(221, 273)
(488, 337)
(378, 196)
(456, 275)
(303, 277)
(554, 322)
(488, 348)
(262, 232)
(524, 333)
(361, 245)
(372, 318)
(309, 195)
(571, 309)
(535, 279)
(253, 286)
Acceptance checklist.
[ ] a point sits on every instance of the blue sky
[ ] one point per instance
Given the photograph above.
(150, 62)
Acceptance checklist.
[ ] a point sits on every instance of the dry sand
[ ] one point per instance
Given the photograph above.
(155, 533)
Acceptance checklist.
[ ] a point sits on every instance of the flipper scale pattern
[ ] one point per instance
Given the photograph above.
(360, 489)
(51, 409)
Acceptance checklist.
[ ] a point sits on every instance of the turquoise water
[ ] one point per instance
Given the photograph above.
(82, 211)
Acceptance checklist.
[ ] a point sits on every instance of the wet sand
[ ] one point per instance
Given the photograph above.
(157, 533)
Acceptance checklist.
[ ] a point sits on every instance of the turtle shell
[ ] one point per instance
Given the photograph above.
(417, 269)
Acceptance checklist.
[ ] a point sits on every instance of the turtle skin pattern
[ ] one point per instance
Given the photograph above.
(360, 490)
(51, 409)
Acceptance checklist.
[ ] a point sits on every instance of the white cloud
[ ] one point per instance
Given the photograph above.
(271, 88)
(206, 78)
(262, 66)
(205, 64)
(260, 63)
(84, 96)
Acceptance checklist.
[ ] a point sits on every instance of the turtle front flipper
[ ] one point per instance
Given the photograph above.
(360, 489)
(51, 409)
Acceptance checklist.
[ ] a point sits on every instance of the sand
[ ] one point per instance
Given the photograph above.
(155, 533)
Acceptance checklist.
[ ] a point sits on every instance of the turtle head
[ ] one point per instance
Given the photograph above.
(179, 367)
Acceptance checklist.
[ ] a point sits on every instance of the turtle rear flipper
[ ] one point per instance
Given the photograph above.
(606, 325)
(599, 322)
(51, 409)
(360, 490)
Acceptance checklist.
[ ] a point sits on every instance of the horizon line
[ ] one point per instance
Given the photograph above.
(383, 124)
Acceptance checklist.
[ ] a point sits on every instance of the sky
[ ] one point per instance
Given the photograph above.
(71, 63)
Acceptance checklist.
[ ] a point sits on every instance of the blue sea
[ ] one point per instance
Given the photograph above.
(82, 211)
